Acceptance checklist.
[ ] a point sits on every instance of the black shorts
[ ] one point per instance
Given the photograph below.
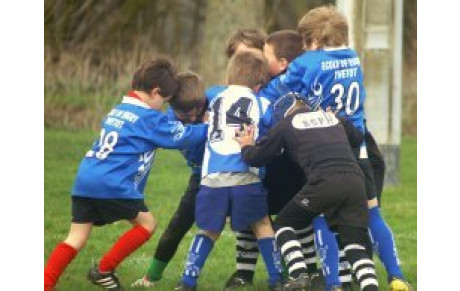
(377, 161)
(105, 211)
(369, 181)
(283, 180)
(340, 196)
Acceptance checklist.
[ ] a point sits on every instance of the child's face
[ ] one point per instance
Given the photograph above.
(276, 66)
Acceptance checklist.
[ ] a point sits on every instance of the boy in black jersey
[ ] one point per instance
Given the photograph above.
(317, 141)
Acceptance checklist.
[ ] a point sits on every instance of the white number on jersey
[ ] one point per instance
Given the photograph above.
(106, 144)
(352, 93)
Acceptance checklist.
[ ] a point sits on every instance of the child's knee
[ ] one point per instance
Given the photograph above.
(78, 243)
(147, 221)
(212, 235)
(263, 228)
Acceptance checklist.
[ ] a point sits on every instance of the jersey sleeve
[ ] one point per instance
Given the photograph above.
(213, 91)
(266, 149)
(293, 77)
(273, 89)
(169, 134)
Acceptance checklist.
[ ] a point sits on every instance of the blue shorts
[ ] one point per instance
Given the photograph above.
(245, 204)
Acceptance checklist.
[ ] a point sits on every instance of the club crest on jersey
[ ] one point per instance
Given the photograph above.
(315, 97)
(178, 130)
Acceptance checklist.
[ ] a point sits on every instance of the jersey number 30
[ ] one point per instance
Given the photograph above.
(351, 99)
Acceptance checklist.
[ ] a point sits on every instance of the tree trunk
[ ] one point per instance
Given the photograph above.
(223, 18)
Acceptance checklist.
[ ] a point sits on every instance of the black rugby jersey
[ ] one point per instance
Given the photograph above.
(318, 141)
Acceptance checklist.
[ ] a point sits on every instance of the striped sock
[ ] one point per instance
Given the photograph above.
(344, 270)
(307, 240)
(291, 250)
(247, 253)
(363, 266)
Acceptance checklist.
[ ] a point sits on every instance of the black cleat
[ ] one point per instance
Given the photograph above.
(317, 281)
(184, 287)
(107, 280)
(301, 283)
(236, 281)
(278, 286)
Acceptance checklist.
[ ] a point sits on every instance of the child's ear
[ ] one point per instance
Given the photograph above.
(256, 88)
(283, 64)
(155, 91)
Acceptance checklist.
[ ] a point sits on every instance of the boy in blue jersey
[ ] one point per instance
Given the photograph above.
(188, 107)
(329, 74)
(229, 187)
(111, 178)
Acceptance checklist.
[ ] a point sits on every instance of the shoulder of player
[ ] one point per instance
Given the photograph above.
(211, 92)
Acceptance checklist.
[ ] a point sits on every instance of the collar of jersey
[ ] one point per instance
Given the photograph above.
(240, 87)
(135, 101)
(329, 48)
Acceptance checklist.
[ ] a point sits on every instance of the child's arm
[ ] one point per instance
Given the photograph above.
(174, 134)
(289, 81)
(355, 137)
(266, 149)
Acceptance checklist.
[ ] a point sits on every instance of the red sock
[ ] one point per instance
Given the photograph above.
(61, 256)
(126, 244)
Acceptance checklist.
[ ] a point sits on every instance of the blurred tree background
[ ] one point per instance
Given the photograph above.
(93, 46)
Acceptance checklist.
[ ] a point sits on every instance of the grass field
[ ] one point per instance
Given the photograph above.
(169, 177)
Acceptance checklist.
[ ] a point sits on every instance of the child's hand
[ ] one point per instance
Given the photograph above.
(245, 137)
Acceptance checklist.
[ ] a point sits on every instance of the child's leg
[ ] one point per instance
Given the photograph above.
(266, 241)
(327, 247)
(65, 251)
(180, 223)
(307, 240)
(354, 241)
(383, 241)
(143, 227)
(292, 216)
(246, 254)
(199, 250)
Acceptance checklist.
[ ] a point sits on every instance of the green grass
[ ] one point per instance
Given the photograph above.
(169, 178)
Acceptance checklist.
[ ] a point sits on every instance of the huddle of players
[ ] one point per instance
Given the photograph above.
(317, 173)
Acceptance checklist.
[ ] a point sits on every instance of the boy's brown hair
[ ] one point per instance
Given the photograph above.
(190, 95)
(252, 38)
(248, 69)
(286, 44)
(326, 25)
(157, 73)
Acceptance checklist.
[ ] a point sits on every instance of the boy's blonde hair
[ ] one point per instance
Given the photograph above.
(248, 69)
(326, 25)
(190, 95)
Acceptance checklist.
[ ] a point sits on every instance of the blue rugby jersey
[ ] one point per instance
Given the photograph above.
(331, 78)
(193, 155)
(118, 164)
(228, 111)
